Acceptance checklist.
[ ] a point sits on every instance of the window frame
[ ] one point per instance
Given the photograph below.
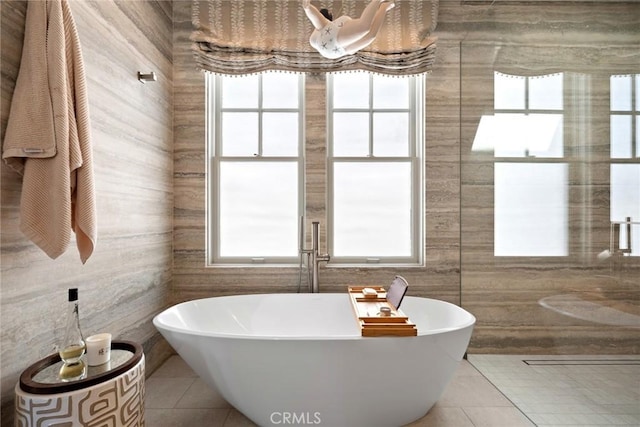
(634, 158)
(415, 157)
(529, 159)
(213, 114)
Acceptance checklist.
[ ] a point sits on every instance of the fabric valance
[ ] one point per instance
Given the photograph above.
(249, 36)
(527, 60)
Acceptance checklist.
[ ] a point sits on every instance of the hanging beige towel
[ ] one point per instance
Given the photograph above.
(48, 134)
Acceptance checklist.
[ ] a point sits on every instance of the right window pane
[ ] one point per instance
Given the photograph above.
(530, 209)
(372, 209)
(621, 137)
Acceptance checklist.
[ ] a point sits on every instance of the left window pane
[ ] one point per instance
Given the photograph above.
(240, 92)
(258, 209)
(240, 134)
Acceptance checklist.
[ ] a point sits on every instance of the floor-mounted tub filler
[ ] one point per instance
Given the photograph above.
(300, 359)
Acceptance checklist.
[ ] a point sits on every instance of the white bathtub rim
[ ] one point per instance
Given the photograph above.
(160, 325)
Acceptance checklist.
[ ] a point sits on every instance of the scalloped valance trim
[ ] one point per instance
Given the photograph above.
(238, 37)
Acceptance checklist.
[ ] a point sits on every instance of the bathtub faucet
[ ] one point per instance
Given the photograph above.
(316, 258)
(313, 256)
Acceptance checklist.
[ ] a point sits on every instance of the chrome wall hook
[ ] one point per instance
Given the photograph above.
(148, 77)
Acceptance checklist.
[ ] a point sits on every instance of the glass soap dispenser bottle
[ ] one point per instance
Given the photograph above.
(73, 346)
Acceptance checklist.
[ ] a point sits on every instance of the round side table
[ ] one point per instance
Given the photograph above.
(110, 394)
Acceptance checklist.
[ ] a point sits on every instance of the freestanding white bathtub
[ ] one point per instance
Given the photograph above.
(299, 359)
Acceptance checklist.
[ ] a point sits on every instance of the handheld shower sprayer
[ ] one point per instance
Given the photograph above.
(615, 232)
(301, 252)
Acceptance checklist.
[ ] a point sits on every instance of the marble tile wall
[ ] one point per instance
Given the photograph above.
(459, 262)
(128, 278)
(192, 279)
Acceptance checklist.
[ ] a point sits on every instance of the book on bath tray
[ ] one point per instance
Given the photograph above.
(394, 295)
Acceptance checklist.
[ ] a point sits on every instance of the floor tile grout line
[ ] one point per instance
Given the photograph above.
(503, 394)
(226, 418)
(574, 372)
(463, 409)
(580, 362)
(184, 393)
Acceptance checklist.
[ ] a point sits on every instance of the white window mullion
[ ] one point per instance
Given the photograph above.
(370, 116)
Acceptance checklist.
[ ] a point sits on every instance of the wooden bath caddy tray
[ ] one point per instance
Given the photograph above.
(372, 324)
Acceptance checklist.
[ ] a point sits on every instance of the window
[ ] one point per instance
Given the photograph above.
(625, 116)
(375, 168)
(625, 155)
(530, 184)
(256, 170)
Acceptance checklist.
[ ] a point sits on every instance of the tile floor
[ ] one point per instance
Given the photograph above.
(568, 390)
(176, 397)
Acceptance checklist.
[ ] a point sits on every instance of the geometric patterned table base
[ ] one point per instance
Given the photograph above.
(118, 402)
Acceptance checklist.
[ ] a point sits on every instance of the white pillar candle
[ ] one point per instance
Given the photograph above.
(98, 349)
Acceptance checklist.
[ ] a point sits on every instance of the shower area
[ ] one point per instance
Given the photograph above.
(550, 218)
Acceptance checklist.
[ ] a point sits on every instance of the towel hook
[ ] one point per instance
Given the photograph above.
(147, 77)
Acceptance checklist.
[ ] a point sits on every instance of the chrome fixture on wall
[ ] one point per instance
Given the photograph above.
(147, 77)
(615, 249)
(313, 256)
